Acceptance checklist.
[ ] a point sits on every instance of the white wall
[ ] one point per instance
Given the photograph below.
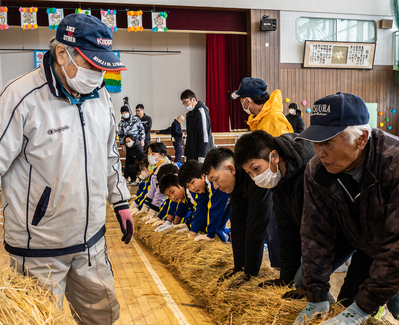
(292, 50)
(361, 7)
(154, 79)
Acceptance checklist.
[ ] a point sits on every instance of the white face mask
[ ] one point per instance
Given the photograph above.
(268, 179)
(125, 115)
(190, 108)
(292, 111)
(153, 160)
(246, 110)
(129, 144)
(86, 80)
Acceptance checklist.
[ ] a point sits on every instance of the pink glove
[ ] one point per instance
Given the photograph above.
(126, 223)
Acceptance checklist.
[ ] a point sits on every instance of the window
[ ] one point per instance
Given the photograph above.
(331, 29)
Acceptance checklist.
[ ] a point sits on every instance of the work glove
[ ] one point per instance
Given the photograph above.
(243, 278)
(228, 274)
(158, 223)
(133, 205)
(134, 211)
(201, 160)
(144, 209)
(203, 237)
(274, 282)
(189, 235)
(166, 226)
(150, 214)
(295, 294)
(312, 311)
(180, 226)
(352, 315)
(151, 217)
(183, 230)
(125, 221)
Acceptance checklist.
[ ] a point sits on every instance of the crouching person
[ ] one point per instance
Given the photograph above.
(352, 188)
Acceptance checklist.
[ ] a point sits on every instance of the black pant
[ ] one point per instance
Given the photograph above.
(178, 150)
(248, 232)
(131, 153)
(358, 272)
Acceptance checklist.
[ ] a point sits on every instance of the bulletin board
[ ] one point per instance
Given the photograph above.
(340, 55)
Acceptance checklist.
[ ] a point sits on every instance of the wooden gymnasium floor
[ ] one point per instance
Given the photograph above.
(147, 291)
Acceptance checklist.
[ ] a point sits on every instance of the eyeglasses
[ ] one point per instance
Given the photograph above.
(186, 101)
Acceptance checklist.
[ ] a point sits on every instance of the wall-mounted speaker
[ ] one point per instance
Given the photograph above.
(267, 23)
(386, 23)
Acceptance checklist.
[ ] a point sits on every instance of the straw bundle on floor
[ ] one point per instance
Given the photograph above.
(23, 300)
(199, 265)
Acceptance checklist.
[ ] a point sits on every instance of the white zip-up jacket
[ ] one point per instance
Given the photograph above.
(58, 164)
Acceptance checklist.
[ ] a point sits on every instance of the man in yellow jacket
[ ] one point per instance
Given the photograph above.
(266, 112)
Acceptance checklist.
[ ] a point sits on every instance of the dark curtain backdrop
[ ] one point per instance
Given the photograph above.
(226, 63)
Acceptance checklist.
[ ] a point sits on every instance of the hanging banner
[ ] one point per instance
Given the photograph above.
(38, 58)
(134, 21)
(28, 17)
(159, 21)
(54, 17)
(3, 18)
(108, 17)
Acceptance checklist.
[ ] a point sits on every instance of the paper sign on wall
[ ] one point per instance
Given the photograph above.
(54, 17)
(38, 58)
(28, 17)
(108, 17)
(134, 21)
(159, 21)
(3, 18)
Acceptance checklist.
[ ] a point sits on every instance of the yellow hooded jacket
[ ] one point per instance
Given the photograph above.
(271, 118)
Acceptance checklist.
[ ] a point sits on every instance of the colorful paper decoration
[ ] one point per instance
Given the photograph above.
(3, 18)
(393, 111)
(381, 124)
(113, 79)
(159, 21)
(83, 11)
(135, 21)
(54, 17)
(389, 127)
(308, 110)
(380, 113)
(387, 119)
(287, 100)
(108, 17)
(28, 17)
(304, 102)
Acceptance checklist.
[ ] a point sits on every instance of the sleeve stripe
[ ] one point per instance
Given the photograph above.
(204, 128)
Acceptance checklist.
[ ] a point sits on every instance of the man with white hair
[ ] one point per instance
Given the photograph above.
(59, 164)
(351, 188)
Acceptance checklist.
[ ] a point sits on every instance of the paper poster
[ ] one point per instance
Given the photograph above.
(159, 21)
(38, 58)
(28, 17)
(54, 17)
(108, 17)
(134, 21)
(3, 18)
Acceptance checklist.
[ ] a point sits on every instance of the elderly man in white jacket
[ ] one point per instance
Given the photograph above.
(59, 164)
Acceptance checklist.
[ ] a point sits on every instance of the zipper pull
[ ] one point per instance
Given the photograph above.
(81, 116)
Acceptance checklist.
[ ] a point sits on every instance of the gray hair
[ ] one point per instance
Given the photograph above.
(351, 133)
(180, 116)
(71, 50)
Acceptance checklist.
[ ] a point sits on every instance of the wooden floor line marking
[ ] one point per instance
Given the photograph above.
(169, 300)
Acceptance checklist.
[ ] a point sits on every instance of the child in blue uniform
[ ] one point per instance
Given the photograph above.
(197, 203)
(191, 177)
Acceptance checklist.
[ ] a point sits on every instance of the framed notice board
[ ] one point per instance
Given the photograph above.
(341, 55)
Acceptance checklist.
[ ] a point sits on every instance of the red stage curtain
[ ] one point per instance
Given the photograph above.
(226, 64)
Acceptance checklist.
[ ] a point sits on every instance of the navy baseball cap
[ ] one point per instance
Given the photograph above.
(91, 38)
(333, 114)
(250, 87)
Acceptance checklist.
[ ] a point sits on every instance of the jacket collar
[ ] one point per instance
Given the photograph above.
(57, 88)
